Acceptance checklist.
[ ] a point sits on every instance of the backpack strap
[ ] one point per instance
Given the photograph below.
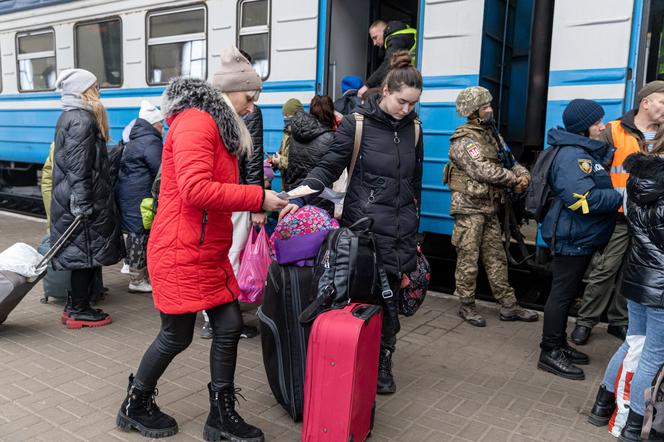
(359, 126)
(418, 130)
(651, 398)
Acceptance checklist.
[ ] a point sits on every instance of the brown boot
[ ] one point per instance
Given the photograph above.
(514, 312)
(468, 312)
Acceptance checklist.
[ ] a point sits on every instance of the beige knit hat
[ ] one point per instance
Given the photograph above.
(235, 73)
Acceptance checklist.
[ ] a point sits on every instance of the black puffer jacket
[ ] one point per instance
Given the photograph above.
(139, 165)
(251, 169)
(386, 183)
(82, 185)
(309, 143)
(643, 277)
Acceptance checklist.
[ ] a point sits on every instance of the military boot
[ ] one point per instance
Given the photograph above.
(513, 312)
(386, 383)
(602, 410)
(140, 412)
(468, 312)
(223, 422)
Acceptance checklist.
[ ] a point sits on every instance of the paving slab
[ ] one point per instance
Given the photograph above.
(455, 382)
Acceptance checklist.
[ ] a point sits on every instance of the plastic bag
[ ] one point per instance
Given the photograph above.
(22, 259)
(253, 267)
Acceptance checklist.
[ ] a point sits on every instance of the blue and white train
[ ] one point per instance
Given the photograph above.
(534, 55)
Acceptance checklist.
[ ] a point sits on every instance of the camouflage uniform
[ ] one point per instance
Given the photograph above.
(478, 182)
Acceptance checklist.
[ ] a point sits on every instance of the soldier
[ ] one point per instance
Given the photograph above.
(479, 181)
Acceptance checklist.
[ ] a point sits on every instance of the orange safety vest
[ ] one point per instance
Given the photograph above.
(626, 144)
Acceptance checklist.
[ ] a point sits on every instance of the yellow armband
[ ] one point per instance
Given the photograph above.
(582, 203)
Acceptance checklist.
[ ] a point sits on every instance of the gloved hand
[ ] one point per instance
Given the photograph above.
(522, 183)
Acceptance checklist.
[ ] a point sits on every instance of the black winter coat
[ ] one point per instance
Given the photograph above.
(309, 143)
(139, 165)
(643, 276)
(386, 184)
(82, 185)
(251, 169)
(394, 44)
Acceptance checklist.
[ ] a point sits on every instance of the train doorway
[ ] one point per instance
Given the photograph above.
(653, 67)
(349, 48)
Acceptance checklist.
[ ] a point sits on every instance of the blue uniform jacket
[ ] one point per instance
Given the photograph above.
(585, 204)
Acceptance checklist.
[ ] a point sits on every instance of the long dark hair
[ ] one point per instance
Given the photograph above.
(322, 108)
(402, 73)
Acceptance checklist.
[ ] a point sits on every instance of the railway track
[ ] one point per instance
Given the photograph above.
(25, 200)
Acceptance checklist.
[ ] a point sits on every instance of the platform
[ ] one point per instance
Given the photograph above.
(455, 382)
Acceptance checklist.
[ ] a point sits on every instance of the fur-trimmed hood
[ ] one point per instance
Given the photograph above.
(646, 180)
(186, 93)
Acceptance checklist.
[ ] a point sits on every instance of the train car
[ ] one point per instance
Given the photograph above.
(535, 56)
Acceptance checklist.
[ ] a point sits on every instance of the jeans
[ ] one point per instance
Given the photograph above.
(648, 322)
(175, 336)
(568, 274)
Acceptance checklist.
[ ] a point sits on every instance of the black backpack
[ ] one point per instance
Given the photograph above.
(539, 196)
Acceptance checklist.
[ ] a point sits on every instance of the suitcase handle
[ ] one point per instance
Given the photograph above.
(366, 311)
(39, 268)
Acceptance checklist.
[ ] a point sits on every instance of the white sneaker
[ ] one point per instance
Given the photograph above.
(141, 287)
(125, 269)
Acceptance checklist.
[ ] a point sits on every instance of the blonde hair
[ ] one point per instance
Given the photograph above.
(658, 142)
(91, 97)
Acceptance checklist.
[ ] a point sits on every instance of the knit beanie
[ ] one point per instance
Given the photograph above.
(350, 82)
(75, 81)
(650, 88)
(150, 113)
(580, 114)
(292, 107)
(235, 73)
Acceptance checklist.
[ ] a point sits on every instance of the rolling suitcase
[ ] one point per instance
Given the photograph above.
(341, 376)
(14, 287)
(283, 338)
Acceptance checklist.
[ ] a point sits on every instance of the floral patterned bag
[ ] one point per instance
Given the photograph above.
(412, 295)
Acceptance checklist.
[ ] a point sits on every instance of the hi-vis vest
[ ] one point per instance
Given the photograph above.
(626, 145)
(407, 31)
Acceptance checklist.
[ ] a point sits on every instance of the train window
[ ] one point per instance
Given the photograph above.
(176, 44)
(36, 60)
(254, 33)
(99, 50)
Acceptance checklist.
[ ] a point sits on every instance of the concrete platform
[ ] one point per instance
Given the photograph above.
(455, 382)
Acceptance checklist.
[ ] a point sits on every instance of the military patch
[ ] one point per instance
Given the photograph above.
(473, 150)
(586, 166)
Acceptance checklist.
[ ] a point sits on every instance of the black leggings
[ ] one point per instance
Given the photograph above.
(388, 337)
(177, 332)
(567, 272)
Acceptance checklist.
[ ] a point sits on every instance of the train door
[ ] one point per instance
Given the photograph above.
(347, 47)
(651, 44)
(591, 55)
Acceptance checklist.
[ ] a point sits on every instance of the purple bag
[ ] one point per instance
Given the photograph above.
(299, 250)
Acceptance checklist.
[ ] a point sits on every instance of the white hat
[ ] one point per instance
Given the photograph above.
(150, 113)
(75, 80)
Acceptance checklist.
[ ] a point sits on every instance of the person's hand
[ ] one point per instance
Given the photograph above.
(290, 208)
(258, 219)
(275, 160)
(362, 90)
(272, 202)
(522, 183)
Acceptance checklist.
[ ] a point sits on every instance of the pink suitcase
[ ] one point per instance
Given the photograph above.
(341, 374)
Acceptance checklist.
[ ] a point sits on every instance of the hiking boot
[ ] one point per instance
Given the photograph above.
(140, 412)
(468, 312)
(555, 361)
(248, 332)
(386, 383)
(514, 312)
(223, 422)
(206, 330)
(575, 356)
(619, 331)
(602, 410)
(142, 286)
(580, 334)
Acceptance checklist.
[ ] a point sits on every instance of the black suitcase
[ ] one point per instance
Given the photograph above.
(284, 339)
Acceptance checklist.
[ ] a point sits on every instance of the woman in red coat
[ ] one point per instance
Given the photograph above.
(188, 247)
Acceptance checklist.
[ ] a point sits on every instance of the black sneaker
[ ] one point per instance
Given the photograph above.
(206, 330)
(248, 332)
(555, 361)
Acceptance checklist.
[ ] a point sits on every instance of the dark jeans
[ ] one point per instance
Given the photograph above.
(388, 338)
(568, 274)
(176, 334)
(82, 281)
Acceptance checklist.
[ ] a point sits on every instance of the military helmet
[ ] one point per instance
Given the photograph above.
(471, 99)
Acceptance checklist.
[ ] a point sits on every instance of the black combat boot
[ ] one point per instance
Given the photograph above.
(386, 383)
(619, 331)
(223, 422)
(605, 403)
(631, 432)
(555, 361)
(82, 315)
(140, 412)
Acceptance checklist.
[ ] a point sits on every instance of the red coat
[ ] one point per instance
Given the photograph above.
(192, 231)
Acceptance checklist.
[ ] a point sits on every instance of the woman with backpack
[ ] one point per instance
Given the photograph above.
(579, 221)
(312, 134)
(643, 279)
(385, 184)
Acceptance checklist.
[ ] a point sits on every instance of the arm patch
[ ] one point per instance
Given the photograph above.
(472, 149)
